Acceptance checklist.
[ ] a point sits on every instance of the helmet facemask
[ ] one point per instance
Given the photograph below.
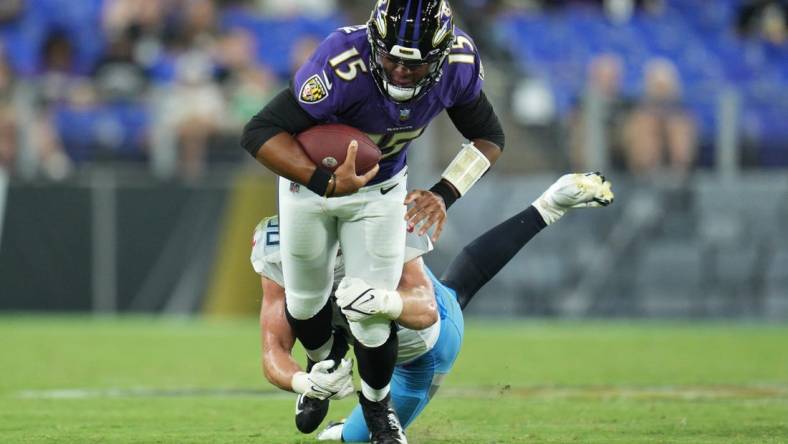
(428, 51)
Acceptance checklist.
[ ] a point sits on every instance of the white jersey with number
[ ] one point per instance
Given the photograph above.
(267, 262)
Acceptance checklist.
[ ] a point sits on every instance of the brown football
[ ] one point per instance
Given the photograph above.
(326, 145)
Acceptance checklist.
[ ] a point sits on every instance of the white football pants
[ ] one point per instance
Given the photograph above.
(370, 228)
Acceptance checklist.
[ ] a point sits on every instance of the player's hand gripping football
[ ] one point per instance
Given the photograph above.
(359, 301)
(323, 383)
(427, 209)
(346, 181)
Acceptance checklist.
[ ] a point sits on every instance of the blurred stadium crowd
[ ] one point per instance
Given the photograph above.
(171, 82)
(94, 80)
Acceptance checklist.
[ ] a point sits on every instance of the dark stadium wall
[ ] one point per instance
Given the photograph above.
(45, 255)
(140, 245)
(165, 238)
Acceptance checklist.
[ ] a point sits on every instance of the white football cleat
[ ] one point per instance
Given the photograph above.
(332, 432)
(589, 190)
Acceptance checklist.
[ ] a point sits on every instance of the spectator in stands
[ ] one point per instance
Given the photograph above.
(306, 8)
(230, 4)
(301, 51)
(197, 25)
(57, 67)
(774, 26)
(118, 74)
(194, 109)
(141, 23)
(56, 81)
(10, 10)
(616, 10)
(247, 83)
(479, 19)
(767, 19)
(660, 133)
(144, 17)
(603, 94)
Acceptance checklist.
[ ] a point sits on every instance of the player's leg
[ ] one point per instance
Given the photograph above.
(440, 358)
(308, 246)
(308, 250)
(410, 392)
(372, 236)
(483, 258)
(415, 383)
(339, 349)
(310, 412)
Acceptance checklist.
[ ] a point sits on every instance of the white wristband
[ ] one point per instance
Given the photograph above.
(467, 167)
(300, 382)
(392, 305)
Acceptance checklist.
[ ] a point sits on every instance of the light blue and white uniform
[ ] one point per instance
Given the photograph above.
(424, 357)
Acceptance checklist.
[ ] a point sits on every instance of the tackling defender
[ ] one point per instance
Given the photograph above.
(431, 322)
(388, 78)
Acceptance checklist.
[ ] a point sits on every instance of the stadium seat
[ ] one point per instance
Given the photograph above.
(734, 210)
(541, 271)
(775, 304)
(734, 267)
(776, 282)
(80, 20)
(668, 279)
(275, 36)
(777, 270)
(111, 131)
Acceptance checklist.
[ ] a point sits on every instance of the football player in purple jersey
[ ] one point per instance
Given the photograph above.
(430, 325)
(388, 78)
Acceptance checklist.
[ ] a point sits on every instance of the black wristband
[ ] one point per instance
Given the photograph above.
(318, 183)
(444, 190)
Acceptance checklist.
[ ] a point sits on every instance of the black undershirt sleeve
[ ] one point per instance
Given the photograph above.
(477, 120)
(281, 114)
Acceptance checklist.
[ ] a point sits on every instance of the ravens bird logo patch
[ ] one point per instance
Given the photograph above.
(313, 90)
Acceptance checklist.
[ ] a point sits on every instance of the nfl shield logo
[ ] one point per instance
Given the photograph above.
(404, 114)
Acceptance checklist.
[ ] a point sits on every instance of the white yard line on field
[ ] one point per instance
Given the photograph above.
(535, 392)
(85, 393)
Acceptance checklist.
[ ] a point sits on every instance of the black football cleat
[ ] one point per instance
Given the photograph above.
(309, 413)
(382, 421)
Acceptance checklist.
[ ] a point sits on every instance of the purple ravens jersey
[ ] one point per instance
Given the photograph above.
(335, 86)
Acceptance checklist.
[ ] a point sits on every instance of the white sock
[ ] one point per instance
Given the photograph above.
(322, 352)
(374, 394)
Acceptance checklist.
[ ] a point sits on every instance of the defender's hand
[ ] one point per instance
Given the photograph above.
(428, 209)
(358, 301)
(345, 179)
(322, 383)
(593, 186)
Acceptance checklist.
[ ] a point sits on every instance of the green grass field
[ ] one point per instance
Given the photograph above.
(86, 380)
